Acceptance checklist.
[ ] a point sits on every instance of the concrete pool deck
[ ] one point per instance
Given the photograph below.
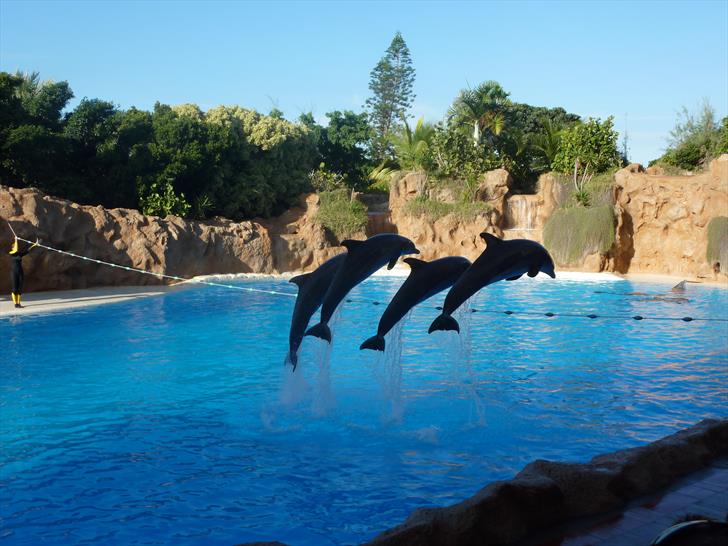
(63, 300)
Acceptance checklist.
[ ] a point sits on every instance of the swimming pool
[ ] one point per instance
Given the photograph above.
(171, 419)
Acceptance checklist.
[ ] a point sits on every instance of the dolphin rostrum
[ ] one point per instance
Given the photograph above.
(311, 291)
(362, 259)
(501, 260)
(425, 280)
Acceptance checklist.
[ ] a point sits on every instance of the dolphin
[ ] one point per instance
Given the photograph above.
(425, 280)
(362, 259)
(501, 260)
(311, 291)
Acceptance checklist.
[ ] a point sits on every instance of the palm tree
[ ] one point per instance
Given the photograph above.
(412, 147)
(548, 140)
(482, 109)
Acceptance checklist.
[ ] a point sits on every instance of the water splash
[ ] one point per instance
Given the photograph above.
(458, 348)
(390, 374)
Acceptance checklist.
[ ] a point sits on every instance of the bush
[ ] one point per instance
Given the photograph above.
(593, 143)
(696, 139)
(429, 208)
(718, 242)
(341, 215)
(570, 234)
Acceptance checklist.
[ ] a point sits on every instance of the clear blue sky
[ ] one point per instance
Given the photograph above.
(640, 61)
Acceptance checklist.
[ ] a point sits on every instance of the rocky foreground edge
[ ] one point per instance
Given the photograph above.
(545, 493)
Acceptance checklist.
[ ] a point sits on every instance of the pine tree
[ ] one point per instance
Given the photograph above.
(391, 83)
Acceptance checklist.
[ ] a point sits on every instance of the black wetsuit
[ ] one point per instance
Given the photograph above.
(16, 271)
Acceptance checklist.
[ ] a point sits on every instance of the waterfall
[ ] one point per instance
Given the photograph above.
(521, 212)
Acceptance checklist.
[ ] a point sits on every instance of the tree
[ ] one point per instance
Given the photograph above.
(480, 110)
(391, 83)
(412, 148)
(591, 146)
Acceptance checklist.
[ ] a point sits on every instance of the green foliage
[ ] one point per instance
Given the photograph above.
(161, 200)
(326, 181)
(432, 209)
(480, 111)
(695, 139)
(457, 157)
(412, 148)
(570, 234)
(391, 83)
(717, 251)
(722, 147)
(341, 215)
(591, 146)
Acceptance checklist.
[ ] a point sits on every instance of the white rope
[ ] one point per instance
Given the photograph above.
(159, 275)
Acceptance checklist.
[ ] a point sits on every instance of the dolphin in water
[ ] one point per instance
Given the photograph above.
(362, 259)
(501, 260)
(425, 280)
(311, 291)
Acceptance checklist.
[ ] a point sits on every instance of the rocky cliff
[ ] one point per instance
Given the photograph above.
(662, 221)
(168, 245)
(661, 228)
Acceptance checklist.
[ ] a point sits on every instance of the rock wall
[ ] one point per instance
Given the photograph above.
(662, 221)
(162, 245)
(548, 493)
(661, 228)
(449, 235)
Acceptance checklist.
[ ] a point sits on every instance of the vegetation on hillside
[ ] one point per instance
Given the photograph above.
(696, 139)
(340, 214)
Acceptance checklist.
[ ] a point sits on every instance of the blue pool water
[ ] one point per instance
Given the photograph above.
(171, 419)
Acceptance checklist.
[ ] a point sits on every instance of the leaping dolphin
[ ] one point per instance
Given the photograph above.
(311, 291)
(362, 259)
(425, 280)
(501, 260)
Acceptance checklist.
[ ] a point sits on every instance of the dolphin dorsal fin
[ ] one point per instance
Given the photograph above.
(351, 244)
(414, 263)
(490, 239)
(298, 280)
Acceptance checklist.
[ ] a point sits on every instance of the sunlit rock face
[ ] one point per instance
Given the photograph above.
(169, 245)
(661, 228)
(662, 221)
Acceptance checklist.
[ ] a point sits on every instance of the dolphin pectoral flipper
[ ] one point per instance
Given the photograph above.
(515, 278)
(533, 270)
(375, 343)
(392, 262)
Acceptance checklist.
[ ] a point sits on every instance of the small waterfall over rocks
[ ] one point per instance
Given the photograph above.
(522, 217)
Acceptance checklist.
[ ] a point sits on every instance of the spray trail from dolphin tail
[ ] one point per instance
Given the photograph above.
(323, 396)
(459, 349)
(391, 374)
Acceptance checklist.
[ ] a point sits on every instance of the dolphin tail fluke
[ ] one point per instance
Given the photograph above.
(444, 322)
(321, 330)
(292, 359)
(376, 343)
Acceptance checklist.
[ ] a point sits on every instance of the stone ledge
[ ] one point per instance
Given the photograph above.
(547, 493)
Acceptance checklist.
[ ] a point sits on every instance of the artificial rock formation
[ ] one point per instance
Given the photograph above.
(170, 245)
(448, 235)
(547, 493)
(662, 220)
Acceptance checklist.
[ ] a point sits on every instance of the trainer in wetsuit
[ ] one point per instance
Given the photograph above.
(16, 270)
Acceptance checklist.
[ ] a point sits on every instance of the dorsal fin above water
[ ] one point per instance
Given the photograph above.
(490, 239)
(298, 280)
(351, 244)
(414, 263)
